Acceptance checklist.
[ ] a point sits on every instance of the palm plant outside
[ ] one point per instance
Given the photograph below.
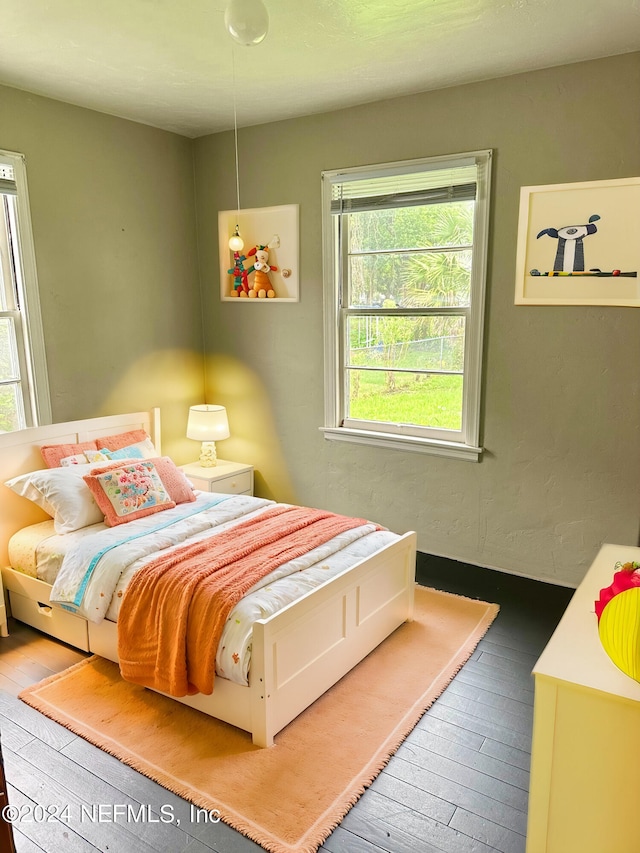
(409, 258)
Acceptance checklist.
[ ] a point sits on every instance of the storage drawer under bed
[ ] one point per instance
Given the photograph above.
(29, 600)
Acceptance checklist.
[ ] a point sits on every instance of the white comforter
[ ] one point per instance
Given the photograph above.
(97, 569)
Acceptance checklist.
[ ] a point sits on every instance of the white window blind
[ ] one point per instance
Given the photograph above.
(386, 191)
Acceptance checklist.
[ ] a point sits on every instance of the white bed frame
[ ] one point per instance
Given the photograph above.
(297, 654)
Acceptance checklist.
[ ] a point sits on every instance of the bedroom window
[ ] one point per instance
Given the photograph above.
(404, 268)
(24, 392)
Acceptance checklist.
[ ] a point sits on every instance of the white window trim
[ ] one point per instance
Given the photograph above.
(469, 447)
(33, 332)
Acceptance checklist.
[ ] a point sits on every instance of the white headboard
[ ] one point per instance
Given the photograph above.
(20, 453)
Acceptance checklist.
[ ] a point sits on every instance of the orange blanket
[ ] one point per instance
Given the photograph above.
(175, 608)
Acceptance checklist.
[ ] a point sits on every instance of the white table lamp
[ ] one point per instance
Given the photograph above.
(208, 424)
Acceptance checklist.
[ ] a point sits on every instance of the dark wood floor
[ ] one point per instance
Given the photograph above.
(458, 784)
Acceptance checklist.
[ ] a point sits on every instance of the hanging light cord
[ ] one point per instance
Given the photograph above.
(235, 132)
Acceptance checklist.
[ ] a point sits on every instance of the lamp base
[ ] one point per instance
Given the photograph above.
(208, 456)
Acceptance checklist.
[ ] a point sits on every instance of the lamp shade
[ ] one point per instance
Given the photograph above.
(208, 423)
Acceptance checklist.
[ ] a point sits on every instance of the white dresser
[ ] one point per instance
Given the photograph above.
(585, 757)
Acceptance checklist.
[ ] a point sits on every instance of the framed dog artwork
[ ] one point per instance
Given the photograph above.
(578, 244)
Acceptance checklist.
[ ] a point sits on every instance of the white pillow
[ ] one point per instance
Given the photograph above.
(62, 494)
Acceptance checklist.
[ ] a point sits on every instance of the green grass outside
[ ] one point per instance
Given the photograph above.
(433, 401)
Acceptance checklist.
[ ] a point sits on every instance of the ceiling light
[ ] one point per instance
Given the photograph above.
(247, 21)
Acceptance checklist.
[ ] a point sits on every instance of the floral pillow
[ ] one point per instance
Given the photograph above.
(173, 479)
(130, 491)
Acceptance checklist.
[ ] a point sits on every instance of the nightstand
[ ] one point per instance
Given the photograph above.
(4, 627)
(230, 478)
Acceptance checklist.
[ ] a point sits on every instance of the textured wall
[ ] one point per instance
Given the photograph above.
(561, 414)
(112, 207)
(115, 232)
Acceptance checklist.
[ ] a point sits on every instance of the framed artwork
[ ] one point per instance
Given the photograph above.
(579, 244)
(268, 265)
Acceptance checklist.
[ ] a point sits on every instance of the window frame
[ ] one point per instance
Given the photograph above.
(462, 444)
(23, 305)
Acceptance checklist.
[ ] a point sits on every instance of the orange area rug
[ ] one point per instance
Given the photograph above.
(288, 797)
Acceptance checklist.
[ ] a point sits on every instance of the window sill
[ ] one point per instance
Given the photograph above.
(451, 449)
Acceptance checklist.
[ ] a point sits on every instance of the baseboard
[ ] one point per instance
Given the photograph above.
(465, 579)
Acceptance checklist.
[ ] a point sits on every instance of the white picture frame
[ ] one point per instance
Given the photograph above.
(598, 263)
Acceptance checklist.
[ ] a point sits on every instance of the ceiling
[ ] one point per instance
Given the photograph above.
(170, 63)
